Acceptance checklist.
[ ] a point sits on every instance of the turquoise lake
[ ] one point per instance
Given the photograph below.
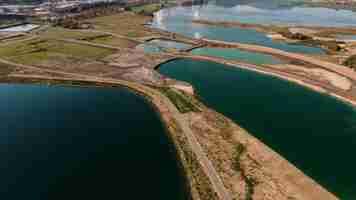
(156, 46)
(236, 54)
(179, 20)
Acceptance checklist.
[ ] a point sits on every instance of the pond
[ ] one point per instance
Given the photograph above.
(236, 54)
(179, 20)
(157, 45)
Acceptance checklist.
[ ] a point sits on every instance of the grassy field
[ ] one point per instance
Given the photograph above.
(148, 9)
(59, 32)
(40, 50)
(126, 24)
(181, 101)
(13, 37)
(5, 69)
(46, 47)
(113, 41)
(351, 62)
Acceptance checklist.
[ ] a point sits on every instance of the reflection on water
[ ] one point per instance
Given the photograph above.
(178, 19)
(272, 12)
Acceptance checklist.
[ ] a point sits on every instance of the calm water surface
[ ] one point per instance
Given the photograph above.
(156, 46)
(83, 143)
(179, 20)
(278, 12)
(315, 132)
(169, 44)
(233, 54)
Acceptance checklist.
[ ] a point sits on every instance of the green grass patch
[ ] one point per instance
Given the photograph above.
(59, 32)
(181, 101)
(146, 9)
(125, 24)
(114, 41)
(5, 69)
(350, 62)
(239, 150)
(250, 182)
(38, 50)
(13, 38)
(132, 34)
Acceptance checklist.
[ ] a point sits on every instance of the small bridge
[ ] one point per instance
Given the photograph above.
(200, 45)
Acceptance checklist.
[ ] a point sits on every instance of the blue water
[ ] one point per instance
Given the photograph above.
(315, 132)
(236, 54)
(150, 48)
(156, 46)
(169, 44)
(262, 13)
(83, 143)
(178, 20)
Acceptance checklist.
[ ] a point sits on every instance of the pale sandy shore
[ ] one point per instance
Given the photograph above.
(314, 85)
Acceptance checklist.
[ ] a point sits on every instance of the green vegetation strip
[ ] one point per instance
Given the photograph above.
(5, 69)
(240, 149)
(38, 50)
(200, 185)
(148, 9)
(9, 23)
(59, 32)
(351, 62)
(181, 101)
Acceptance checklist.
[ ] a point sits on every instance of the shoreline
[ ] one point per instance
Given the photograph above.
(272, 72)
(294, 182)
(336, 68)
(195, 174)
(323, 37)
(204, 180)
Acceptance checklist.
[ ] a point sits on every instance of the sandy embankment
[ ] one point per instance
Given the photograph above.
(334, 79)
(337, 80)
